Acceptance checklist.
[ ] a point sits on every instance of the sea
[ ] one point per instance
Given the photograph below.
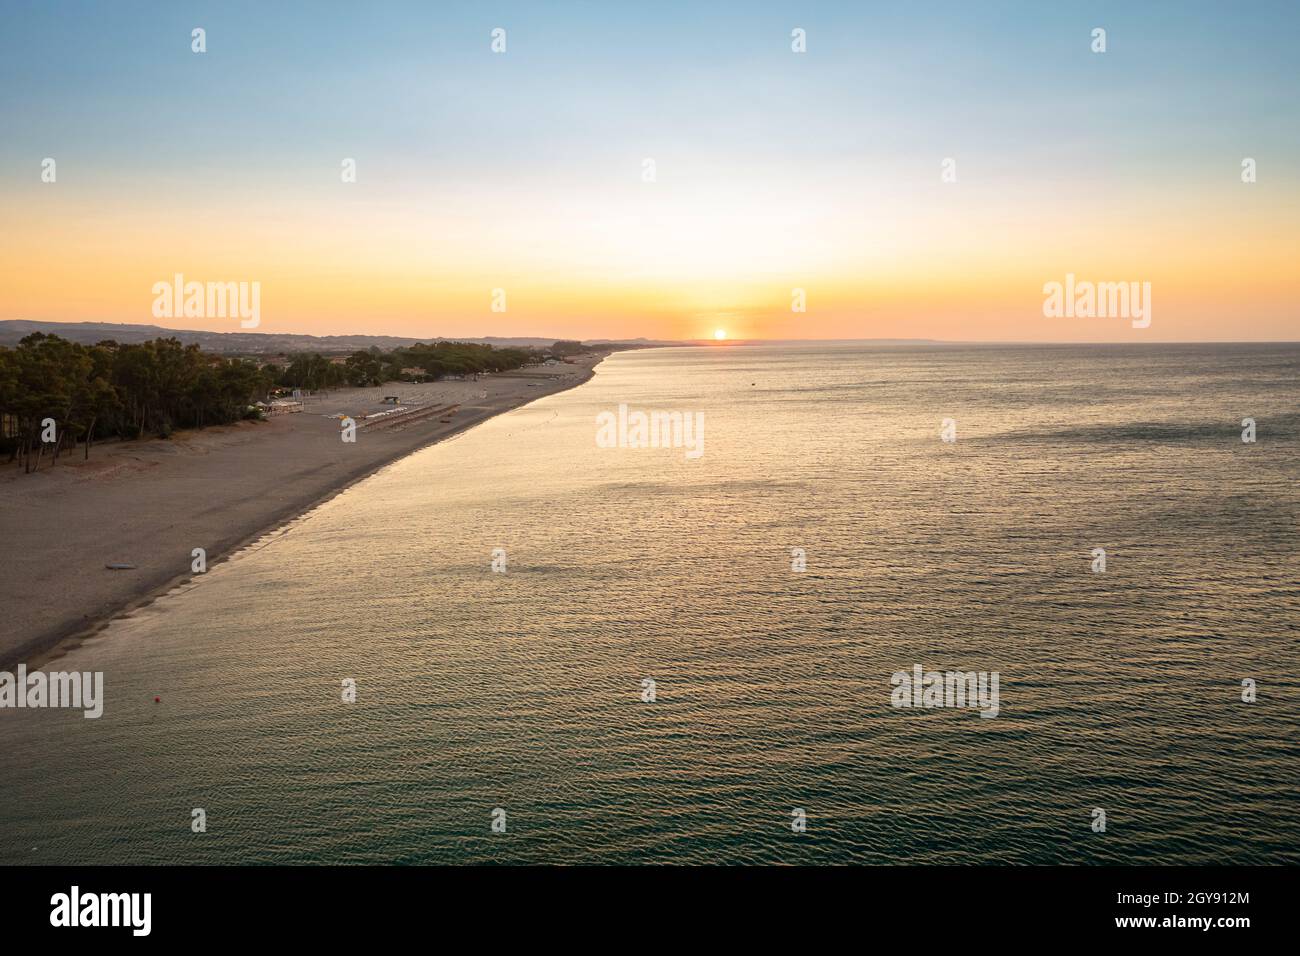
(530, 645)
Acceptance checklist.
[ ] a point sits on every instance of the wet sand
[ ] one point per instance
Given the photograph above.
(150, 503)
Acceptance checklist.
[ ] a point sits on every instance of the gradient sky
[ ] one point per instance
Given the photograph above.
(775, 170)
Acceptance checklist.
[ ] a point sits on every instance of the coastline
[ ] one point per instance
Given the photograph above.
(150, 503)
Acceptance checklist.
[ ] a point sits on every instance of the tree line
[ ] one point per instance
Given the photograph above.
(311, 370)
(55, 394)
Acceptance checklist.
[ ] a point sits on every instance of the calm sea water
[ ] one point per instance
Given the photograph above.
(522, 691)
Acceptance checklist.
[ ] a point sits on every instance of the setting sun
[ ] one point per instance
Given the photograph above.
(720, 334)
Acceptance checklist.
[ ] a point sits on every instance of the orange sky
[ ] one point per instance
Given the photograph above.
(958, 267)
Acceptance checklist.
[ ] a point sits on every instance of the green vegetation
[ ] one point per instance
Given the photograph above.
(461, 358)
(311, 371)
(130, 391)
(109, 389)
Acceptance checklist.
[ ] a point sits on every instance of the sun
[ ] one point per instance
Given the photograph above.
(720, 334)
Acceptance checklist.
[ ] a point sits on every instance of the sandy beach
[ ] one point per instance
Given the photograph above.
(150, 503)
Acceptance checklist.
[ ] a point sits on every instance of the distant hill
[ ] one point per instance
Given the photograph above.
(243, 343)
(278, 343)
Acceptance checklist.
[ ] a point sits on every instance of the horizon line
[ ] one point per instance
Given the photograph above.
(664, 343)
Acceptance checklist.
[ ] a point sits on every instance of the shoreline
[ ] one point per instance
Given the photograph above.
(83, 602)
